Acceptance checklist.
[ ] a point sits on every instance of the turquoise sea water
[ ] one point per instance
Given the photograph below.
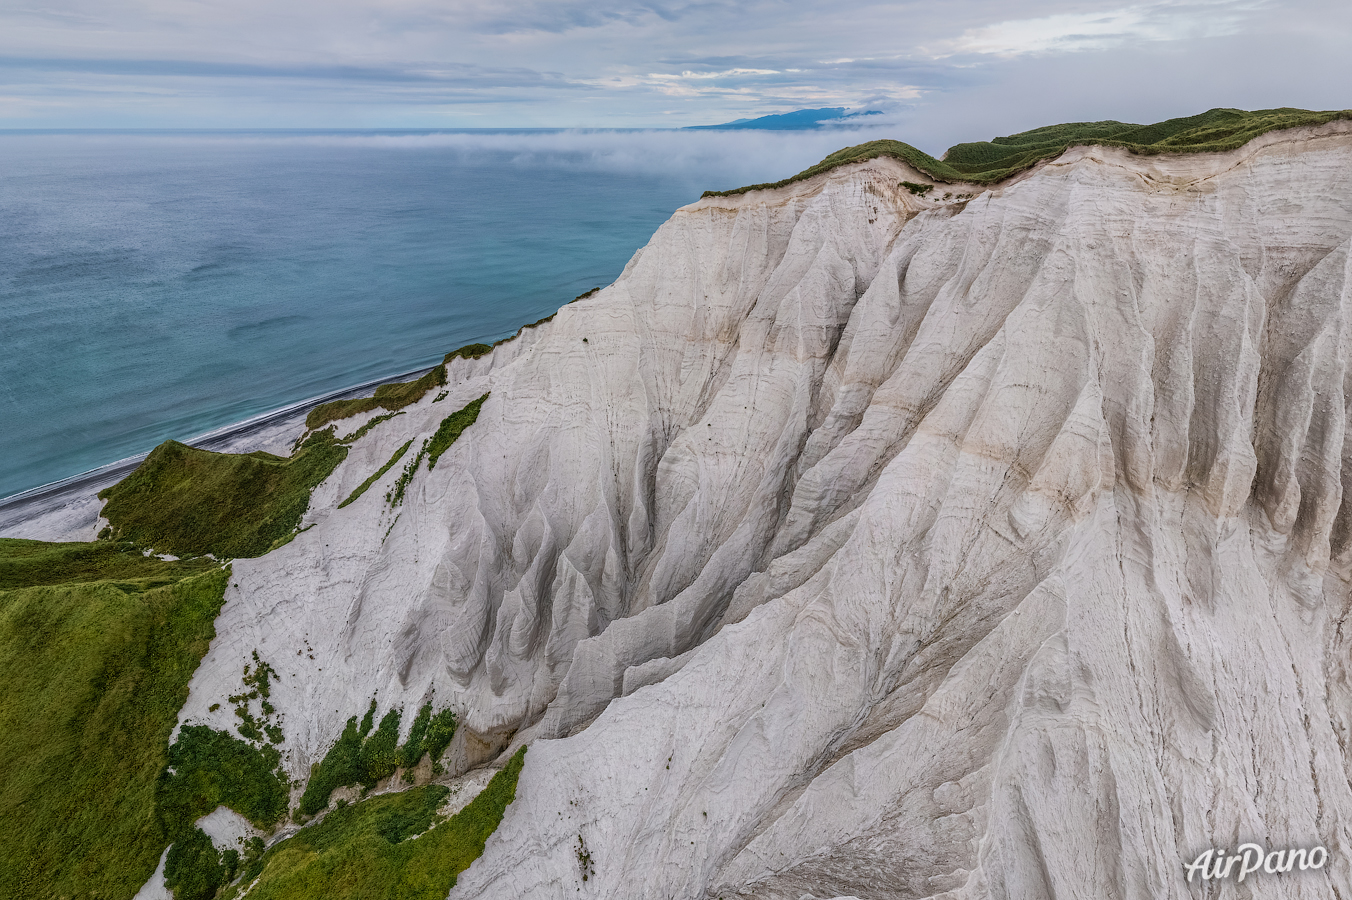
(156, 286)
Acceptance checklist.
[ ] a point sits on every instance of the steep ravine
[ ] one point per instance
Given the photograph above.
(977, 542)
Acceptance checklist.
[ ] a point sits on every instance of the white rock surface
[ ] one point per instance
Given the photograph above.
(860, 544)
(154, 889)
(226, 828)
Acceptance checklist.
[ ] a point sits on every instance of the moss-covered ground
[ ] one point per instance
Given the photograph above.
(97, 643)
(190, 502)
(986, 162)
(390, 846)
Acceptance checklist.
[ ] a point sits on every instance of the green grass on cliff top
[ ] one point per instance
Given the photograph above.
(97, 643)
(191, 502)
(985, 162)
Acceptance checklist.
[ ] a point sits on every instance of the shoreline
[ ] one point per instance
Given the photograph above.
(80, 489)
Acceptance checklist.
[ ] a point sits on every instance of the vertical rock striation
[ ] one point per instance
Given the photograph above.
(861, 543)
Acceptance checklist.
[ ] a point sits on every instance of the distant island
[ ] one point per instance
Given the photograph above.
(799, 120)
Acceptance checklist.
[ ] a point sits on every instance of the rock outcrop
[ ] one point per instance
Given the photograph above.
(857, 542)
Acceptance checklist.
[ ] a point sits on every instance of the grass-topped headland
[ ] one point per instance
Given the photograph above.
(98, 643)
(986, 162)
(191, 502)
(469, 351)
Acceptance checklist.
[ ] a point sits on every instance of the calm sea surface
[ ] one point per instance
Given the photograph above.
(158, 286)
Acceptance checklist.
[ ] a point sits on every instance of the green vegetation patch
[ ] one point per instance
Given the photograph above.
(446, 434)
(469, 351)
(337, 410)
(361, 432)
(361, 489)
(190, 502)
(451, 428)
(32, 563)
(429, 734)
(439, 733)
(366, 850)
(195, 869)
(379, 756)
(257, 688)
(358, 757)
(95, 674)
(365, 758)
(395, 495)
(209, 768)
(986, 162)
(392, 396)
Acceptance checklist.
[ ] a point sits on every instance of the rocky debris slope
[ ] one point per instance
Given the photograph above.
(860, 542)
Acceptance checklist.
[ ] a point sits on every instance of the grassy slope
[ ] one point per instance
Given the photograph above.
(365, 850)
(986, 162)
(96, 670)
(190, 502)
(393, 397)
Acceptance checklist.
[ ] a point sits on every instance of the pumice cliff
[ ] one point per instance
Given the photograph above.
(859, 542)
(991, 548)
(868, 540)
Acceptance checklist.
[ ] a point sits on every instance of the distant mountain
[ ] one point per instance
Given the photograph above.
(800, 120)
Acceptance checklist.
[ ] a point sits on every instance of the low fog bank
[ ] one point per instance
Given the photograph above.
(710, 159)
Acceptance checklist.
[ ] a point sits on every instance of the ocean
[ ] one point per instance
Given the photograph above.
(160, 285)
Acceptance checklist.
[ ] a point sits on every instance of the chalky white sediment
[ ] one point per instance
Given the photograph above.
(859, 543)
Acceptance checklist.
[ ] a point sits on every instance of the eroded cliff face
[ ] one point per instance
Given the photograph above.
(860, 543)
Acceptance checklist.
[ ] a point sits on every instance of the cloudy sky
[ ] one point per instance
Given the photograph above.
(944, 71)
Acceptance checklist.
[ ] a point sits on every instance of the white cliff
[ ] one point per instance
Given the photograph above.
(859, 543)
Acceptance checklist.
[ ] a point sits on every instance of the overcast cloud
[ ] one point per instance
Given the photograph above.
(957, 70)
